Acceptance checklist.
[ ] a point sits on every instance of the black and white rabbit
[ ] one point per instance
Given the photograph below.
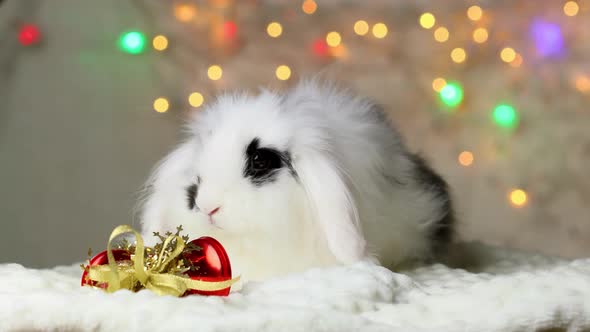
(312, 177)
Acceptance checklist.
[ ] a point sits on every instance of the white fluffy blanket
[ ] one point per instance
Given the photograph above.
(505, 291)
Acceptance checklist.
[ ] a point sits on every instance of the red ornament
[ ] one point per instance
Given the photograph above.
(212, 264)
(230, 30)
(103, 259)
(320, 47)
(29, 34)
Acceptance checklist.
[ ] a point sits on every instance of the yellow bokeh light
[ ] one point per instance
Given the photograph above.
(184, 12)
(380, 30)
(507, 54)
(480, 35)
(283, 72)
(361, 27)
(518, 197)
(196, 99)
(458, 55)
(160, 43)
(427, 20)
(582, 83)
(309, 7)
(161, 105)
(333, 39)
(465, 158)
(274, 29)
(517, 61)
(438, 84)
(474, 13)
(214, 72)
(441, 34)
(571, 8)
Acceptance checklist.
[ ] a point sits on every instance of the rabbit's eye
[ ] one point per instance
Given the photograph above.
(265, 160)
(262, 164)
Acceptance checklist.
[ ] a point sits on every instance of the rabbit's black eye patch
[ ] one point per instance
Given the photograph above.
(263, 164)
(191, 194)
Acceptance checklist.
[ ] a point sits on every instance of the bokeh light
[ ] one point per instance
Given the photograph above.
(474, 13)
(160, 43)
(196, 99)
(427, 20)
(283, 72)
(451, 94)
(547, 37)
(339, 51)
(29, 34)
(380, 30)
(361, 27)
(480, 35)
(507, 54)
(309, 7)
(571, 8)
(320, 47)
(458, 55)
(441, 34)
(518, 197)
(161, 105)
(333, 39)
(220, 4)
(230, 29)
(214, 72)
(438, 83)
(505, 116)
(184, 12)
(582, 83)
(274, 29)
(465, 158)
(132, 42)
(517, 61)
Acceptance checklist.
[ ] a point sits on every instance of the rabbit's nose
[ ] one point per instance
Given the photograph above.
(214, 211)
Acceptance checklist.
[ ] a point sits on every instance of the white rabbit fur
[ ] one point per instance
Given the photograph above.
(352, 191)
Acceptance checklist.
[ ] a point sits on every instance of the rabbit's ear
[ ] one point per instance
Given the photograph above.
(333, 206)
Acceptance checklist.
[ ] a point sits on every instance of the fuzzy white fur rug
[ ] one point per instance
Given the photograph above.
(504, 290)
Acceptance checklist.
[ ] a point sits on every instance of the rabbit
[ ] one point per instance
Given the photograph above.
(313, 177)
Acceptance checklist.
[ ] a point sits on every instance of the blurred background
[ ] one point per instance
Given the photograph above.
(496, 94)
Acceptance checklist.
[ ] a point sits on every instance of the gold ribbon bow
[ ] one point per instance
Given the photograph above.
(152, 278)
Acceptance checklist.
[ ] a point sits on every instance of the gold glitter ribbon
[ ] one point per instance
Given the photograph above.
(124, 277)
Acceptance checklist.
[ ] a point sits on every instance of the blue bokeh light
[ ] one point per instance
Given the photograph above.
(548, 38)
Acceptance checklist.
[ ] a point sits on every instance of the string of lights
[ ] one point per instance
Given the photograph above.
(204, 41)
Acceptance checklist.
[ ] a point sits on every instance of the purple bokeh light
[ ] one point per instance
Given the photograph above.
(548, 38)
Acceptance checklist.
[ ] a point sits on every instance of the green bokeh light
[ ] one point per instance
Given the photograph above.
(451, 94)
(132, 42)
(505, 116)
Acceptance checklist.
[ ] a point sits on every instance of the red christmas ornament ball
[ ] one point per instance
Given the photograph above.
(29, 34)
(212, 263)
(102, 259)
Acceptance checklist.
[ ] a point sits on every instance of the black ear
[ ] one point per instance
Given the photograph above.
(443, 230)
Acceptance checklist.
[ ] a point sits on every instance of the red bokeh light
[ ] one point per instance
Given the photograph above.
(230, 29)
(29, 34)
(320, 47)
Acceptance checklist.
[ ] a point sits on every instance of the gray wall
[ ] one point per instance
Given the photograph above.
(77, 131)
